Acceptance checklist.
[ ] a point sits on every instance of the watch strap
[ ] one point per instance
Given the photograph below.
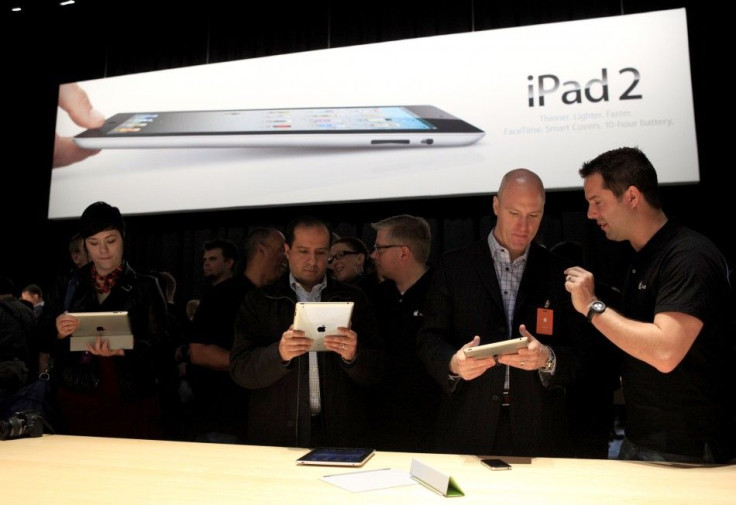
(551, 363)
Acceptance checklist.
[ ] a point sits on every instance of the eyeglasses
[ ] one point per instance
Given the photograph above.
(340, 256)
(379, 248)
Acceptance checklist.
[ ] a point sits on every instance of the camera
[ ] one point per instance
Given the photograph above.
(27, 423)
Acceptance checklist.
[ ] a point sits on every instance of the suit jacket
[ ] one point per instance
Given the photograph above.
(279, 412)
(464, 301)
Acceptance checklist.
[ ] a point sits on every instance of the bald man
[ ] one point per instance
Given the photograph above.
(504, 286)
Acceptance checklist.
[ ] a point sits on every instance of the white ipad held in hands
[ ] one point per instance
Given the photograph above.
(112, 326)
(318, 319)
(497, 348)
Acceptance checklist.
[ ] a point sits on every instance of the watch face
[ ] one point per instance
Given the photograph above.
(597, 307)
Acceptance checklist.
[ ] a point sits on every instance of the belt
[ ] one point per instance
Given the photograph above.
(505, 399)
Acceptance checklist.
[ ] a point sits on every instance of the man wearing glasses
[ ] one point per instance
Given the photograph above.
(404, 404)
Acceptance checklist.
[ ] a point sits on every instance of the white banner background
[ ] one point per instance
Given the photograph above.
(481, 77)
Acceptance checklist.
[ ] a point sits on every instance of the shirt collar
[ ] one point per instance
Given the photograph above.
(302, 295)
(499, 252)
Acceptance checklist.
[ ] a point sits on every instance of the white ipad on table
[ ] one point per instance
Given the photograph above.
(318, 319)
(114, 326)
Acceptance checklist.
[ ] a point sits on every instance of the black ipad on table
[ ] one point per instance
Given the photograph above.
(337, 456)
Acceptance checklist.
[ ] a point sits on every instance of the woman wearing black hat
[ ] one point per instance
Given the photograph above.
(103, 391)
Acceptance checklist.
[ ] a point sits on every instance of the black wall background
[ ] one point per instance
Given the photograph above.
(46, 45)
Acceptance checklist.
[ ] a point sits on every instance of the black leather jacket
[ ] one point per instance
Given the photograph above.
(138, 294)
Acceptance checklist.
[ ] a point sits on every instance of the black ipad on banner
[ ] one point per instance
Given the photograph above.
(337, 456)
(113, 326)
(497, 348)
(365, 126)
(318, 319)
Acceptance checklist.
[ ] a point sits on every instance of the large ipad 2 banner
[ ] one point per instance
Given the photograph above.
(435, 116)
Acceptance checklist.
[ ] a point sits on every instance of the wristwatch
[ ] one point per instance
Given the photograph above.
(597, 307)
(549, 366)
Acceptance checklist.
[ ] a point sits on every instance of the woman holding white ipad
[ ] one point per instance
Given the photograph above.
(106, 391)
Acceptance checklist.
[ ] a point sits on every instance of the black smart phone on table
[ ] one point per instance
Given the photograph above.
(496, 464)
(364, 126)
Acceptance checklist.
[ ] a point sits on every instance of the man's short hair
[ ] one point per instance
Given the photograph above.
(625, 167)
(255, 237)
(410, 230)
(33, 289)
(305, 222)
(228, 248)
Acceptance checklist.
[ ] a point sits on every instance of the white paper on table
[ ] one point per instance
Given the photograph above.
(368, 480)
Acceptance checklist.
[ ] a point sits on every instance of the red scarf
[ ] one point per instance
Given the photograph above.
(104, 283)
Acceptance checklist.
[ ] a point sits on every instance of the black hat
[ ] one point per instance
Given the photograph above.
(101, 216)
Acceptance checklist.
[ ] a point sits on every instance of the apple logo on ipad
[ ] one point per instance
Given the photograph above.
(322, 328)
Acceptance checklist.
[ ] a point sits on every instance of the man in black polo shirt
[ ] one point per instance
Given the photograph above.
(404, 404)
(674, 321)
(220, 411)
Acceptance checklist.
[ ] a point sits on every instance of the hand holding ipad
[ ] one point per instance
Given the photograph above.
(497, 348)
(317, 319)
(112, 326)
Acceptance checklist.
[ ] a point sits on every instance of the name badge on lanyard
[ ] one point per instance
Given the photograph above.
(545, 320)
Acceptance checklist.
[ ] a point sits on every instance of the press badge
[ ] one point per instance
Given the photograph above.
(545, 320)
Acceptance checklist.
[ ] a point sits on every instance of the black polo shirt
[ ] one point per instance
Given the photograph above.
(680, 270)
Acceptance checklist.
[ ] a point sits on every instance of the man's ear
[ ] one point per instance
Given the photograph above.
(632, 196)
(496, 205)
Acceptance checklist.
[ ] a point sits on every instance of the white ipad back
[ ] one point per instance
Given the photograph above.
(113, 326)
(318, 319)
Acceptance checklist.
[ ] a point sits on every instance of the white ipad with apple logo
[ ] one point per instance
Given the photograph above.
(113, 326)
(318, 319)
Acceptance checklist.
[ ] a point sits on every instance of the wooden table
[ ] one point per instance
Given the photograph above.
(59, 469)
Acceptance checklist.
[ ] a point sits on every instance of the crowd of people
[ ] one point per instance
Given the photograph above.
(234, 370)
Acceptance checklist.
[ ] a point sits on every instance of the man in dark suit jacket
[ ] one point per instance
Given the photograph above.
(299, 397)
(504, 287)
